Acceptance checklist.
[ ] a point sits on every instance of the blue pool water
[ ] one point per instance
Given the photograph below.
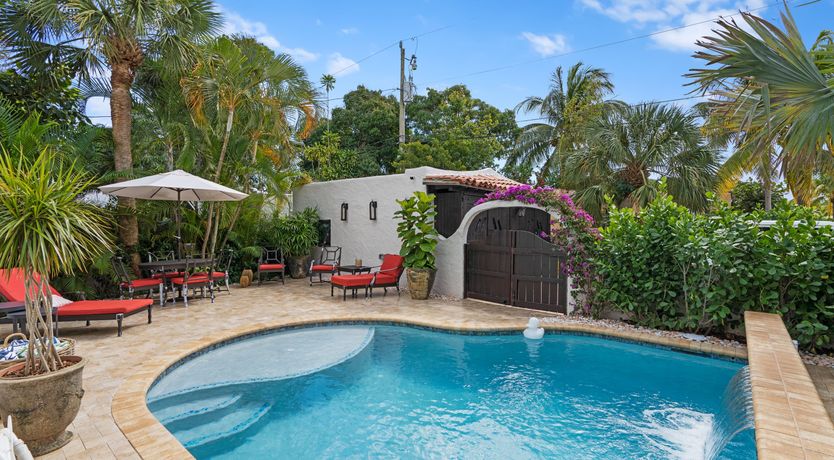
(386, 391)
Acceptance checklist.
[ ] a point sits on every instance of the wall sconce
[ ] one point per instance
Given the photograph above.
(344, 211)
(372, 210)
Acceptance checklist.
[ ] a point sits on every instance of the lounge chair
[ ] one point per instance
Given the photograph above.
(129, 286)
(387, 275)
(327, 263)
(271, 261)
(12, 288)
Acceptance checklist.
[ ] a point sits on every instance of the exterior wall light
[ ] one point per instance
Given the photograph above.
(372, 210)
(344, 211)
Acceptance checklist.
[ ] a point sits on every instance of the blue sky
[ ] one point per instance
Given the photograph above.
(531, 38)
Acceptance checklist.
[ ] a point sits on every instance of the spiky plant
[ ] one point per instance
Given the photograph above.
(45, 229)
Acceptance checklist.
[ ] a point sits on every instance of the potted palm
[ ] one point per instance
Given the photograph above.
(419, 240)
(296, 235)
(45, 230)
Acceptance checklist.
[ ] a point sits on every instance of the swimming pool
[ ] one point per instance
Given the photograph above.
(391, 391)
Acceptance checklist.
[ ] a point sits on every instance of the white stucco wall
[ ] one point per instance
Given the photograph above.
(359, 236)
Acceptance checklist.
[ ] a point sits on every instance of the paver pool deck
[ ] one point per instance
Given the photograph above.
(115, 423)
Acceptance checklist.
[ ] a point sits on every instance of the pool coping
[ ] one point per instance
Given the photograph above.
(151, 439)
(790, 418)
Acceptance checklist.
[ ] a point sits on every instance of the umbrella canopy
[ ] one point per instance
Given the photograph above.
(173, 186)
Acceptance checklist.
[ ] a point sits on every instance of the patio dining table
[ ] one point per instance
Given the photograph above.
(175, 264)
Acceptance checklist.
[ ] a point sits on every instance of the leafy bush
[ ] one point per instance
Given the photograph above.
(416, 230)
(669, 268)
(296, 234)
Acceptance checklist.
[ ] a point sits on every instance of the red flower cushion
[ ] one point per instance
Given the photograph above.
(352, 280)
(324, 268)
(268, 267)
(195, 279)
(142, 282)
(103, 307)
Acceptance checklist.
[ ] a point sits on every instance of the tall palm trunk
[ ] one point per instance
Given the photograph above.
(121, 79)
(230, 117)
(246, 189)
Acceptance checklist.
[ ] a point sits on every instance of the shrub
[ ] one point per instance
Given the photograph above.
(416, 230)
(669, 268)
(295, 234)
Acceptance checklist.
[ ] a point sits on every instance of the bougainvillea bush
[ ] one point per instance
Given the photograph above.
(669, 268)
(573, 230)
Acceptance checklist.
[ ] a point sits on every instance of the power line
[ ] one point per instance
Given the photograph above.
(612, 43)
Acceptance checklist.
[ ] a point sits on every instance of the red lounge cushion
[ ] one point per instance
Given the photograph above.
(196, 279)
(352, 280)
(385, 278)
(12, 285)
(324, 268)
(142, 282)
(103, 307)
(267, 267)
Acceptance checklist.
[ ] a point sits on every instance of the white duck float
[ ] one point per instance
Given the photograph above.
(533, 331)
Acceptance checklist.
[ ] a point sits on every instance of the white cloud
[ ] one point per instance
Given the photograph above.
(349, 30)
(661, 15)
(234, 23)
(546, 45)
(336, 63)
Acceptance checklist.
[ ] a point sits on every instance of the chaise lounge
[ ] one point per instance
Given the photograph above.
(12, 287)
(388, 275)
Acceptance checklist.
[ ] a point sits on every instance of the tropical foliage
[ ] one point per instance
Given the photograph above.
(416, 230)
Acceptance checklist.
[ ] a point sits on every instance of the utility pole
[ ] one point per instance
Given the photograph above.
(402, 93)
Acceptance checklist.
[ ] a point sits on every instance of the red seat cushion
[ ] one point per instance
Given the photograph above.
(385, 278)
(195, 279)
(352, 280)
(215, 275)
(324, 268)
(103, 307)
(268, 267)
(142, 282)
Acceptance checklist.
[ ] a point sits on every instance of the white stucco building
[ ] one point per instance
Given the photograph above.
(350, 206)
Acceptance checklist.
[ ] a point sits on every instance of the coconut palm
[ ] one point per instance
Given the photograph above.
(92, 36)
(792, 88)
(45, 229)
(328, 82)
(631, 147)
(567, 107)
(238, 73)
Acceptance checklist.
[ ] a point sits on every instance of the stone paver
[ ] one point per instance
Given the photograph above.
(790, 418)
(114, 421)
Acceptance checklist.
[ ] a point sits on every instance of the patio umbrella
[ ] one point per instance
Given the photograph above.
(176, 186)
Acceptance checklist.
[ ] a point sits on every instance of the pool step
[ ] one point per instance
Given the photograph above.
(174, 412)
(206, 427)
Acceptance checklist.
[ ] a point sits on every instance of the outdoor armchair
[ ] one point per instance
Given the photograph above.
(271, 261)
(193, 279)
(327, 263)
(387, 275)
(129, 286)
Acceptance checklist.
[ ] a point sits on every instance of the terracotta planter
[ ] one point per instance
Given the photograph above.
(43, 406)
(298, 266)
(420, 282)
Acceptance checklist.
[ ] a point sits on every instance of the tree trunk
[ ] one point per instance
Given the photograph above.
(121, 79)
(226, 135)
(169, 158)
(767, 189)
(246, 188)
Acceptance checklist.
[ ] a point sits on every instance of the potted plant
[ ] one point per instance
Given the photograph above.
(44, 230)
(296, 235)
(419, 240)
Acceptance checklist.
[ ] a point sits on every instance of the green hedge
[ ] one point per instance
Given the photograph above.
(671, 269)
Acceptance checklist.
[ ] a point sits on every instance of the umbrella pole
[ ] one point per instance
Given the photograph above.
(179, 235)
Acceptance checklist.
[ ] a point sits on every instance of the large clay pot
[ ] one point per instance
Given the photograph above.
(420, 282)
(43, 406)
(298, 266)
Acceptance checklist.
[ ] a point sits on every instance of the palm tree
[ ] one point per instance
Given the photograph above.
(631, 147)
(239, 74)
(45, 229)
(781, 91)
(328, 82)
(566, 108)
(90, 36)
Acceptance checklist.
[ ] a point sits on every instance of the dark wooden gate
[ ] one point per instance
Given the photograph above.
(516, 267)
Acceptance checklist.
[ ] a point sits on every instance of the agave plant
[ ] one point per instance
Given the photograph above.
(46, 230)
